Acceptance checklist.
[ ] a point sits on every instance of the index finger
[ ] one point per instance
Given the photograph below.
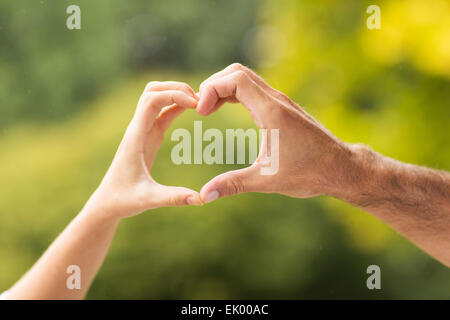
(252, 74)
(149, 106)
(240, 86)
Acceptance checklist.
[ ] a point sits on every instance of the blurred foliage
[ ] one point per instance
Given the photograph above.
(58, 70)
(388, 88)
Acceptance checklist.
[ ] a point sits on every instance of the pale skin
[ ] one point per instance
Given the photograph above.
(126, 190)
(413, 200)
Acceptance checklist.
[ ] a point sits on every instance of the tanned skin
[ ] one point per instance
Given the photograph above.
(413, 200)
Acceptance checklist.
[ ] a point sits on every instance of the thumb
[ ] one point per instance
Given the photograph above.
(229, 183)
(169, 196)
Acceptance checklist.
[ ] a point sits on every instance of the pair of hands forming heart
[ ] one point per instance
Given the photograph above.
(311, 162)
(413, 200)
(307, 152)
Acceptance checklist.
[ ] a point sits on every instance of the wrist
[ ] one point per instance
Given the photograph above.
(100, 209)
(356, 171)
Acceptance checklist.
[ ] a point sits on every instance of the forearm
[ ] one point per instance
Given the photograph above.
(83, 243)
(126, 190)
(413, 200)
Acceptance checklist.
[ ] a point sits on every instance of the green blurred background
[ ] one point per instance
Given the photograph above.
(66, 97)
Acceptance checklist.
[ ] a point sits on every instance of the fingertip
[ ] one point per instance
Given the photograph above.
(204, 107)
(211, 196)
(202, 113)
(194, 200)
(209, 193)
(201, 110)
(193, 103)
(208, 98)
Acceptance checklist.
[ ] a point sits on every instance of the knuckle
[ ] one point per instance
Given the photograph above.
(176, 96)
(149, 99)
(282, 96)
(206, 87)
(150, 85)
(175, 201)
(170, 201)
(203, 85)
(185, 87)
(235, 185)
(241, 77)
(237, 66)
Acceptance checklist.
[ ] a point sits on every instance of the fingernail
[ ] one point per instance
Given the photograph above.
(191, 200)
(194, 102)
(211, 196)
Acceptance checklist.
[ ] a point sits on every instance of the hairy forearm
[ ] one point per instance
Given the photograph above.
(83, 243)
(413, 200)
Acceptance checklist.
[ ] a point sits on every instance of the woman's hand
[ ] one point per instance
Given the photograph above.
(128, 188)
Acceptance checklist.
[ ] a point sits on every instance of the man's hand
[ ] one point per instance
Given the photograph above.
(413, 200)
(128, 188)
(310, 157)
